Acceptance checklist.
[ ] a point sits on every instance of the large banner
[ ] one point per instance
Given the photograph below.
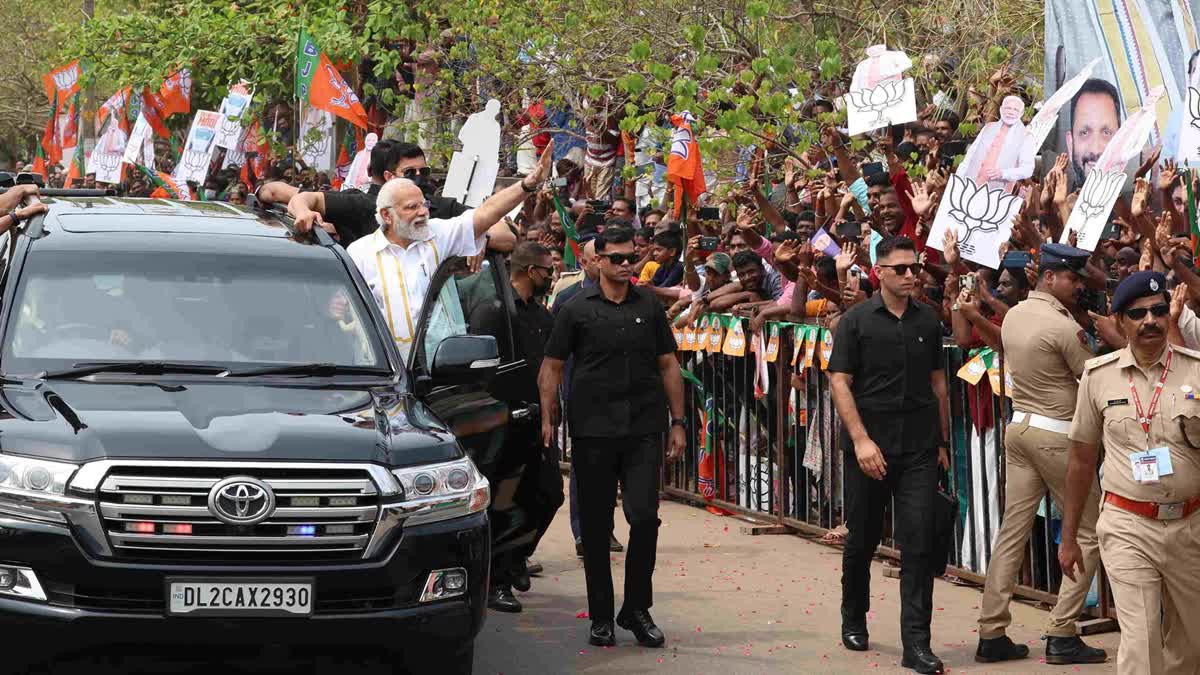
(1140, 45)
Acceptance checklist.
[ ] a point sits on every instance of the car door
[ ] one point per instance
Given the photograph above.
(462, 302)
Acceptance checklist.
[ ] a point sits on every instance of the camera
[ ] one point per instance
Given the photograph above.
(709, 243)
(558, 183)
(709, 213)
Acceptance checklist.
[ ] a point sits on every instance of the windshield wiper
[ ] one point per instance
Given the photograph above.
(312, 369)
(85, 368)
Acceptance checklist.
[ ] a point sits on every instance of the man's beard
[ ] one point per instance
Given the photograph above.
(540, 290)
(416, 229)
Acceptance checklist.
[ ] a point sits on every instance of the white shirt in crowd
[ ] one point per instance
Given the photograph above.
(399, 277)
(1189, 328)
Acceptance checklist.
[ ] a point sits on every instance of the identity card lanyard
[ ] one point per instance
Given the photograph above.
(1145, 417)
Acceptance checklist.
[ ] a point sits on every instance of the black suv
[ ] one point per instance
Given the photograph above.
(207, 435)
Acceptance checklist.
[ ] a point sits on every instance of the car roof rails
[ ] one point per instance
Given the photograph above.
(68, 192)
(280, 211)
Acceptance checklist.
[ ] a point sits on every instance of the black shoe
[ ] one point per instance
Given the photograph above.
(602, 634)
(579, 548)
(855, 639)
(638, 621)
(614, 545)
(998, 649)
(521, 582)
(1064, 650)
(533, 568)
(501, 599)
(922, 660)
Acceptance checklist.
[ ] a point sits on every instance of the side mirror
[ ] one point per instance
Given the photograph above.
(465, 359)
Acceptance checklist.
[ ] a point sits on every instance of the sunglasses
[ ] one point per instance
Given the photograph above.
(618, 258)
(1159, 311)
(547, 270)
(424, 172)
(901, 270)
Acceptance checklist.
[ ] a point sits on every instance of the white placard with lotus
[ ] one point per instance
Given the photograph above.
(981, 217)
(889, 103)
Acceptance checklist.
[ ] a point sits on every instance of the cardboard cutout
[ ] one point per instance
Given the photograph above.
(358, 178)
(1046, 119)
(235, 104)
(471, 176)
(197, 153)
(1003, 152)
(878, 95)
(982, 218)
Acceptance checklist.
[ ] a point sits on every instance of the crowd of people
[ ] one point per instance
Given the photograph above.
(839, 234)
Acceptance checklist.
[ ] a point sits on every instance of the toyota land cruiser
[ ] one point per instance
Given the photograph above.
(193, 449)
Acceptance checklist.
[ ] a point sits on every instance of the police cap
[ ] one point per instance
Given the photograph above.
(1138, 285)
(1063, 257)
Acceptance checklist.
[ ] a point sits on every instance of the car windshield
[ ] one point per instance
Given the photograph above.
(228, 309)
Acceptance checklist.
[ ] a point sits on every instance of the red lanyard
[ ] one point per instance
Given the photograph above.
(1145, 417)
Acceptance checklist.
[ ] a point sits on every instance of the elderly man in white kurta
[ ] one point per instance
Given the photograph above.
(399, 259)
(1003, 153)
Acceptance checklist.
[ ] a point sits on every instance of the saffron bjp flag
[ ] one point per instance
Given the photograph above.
(164, 185)
(39, 164)
(684, 168)
(77, 169)
(62, 83)
(320, 85)
(114, 108)
(70, 125)
(175, 94)
(50, 142)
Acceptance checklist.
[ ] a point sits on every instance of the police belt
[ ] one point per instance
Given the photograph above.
(1154, 510)
(1042, 422)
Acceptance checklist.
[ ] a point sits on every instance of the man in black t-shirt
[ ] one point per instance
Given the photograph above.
(351, 213)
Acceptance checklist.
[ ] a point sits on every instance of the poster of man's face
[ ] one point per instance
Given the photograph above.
(1095, 118)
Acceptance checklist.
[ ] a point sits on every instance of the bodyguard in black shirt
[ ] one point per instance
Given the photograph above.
(624, 375)
(533, 466)
(890, 392)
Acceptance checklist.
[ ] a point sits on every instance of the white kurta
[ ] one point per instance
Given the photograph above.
(1015, 159)
(399, 277)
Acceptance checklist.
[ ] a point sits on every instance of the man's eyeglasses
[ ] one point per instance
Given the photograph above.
(618, 258)
(1159, 311)
(547, 270)
(901, 270)
(411, 173)
(415, 206)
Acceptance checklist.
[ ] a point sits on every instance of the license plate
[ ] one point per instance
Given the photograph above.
(244, 597)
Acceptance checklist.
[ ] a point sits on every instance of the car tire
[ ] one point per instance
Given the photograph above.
(457, 662)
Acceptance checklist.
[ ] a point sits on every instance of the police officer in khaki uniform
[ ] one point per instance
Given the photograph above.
(1141, 403)
(1044, 350)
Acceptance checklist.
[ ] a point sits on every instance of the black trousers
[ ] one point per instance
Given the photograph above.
(519, 527)
(911, 482)
(599, 464)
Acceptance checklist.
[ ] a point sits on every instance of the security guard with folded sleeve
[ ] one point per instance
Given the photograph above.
(1140, 403)
(1045, 352)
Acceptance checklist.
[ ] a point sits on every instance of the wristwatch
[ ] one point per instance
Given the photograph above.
(526, 189)
(679, 422)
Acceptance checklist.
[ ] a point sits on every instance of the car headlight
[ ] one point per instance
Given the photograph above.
(35, 488)
(442, 491)
(34, 475)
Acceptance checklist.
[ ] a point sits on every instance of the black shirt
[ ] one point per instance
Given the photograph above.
(531, 328)
(891, 360)
(352, 212)
(616, 389)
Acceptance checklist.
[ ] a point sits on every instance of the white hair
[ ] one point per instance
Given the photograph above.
(387, 195)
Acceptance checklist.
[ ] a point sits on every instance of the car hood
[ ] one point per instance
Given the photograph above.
(80, 421)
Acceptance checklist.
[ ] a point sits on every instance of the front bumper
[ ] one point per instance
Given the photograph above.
(96, 602)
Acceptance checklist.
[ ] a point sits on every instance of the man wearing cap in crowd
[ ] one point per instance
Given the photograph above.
(1044, 351)
(1140, 401)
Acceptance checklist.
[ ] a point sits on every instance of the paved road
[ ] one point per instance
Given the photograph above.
(730, 604)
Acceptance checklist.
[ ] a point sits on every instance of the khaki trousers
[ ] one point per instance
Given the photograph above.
(1035, 461)
(1151, 567)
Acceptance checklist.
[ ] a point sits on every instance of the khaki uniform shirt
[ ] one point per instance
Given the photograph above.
(1106, 411)
(1044, 352)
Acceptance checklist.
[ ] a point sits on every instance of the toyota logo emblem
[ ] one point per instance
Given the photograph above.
(241, 500)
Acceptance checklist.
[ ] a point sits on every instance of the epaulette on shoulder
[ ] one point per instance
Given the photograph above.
(1101, 360)
(1188, 352)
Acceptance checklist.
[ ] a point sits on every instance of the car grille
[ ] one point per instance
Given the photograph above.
(162, 514)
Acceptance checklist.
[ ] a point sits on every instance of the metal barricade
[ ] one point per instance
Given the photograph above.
(778, 457)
